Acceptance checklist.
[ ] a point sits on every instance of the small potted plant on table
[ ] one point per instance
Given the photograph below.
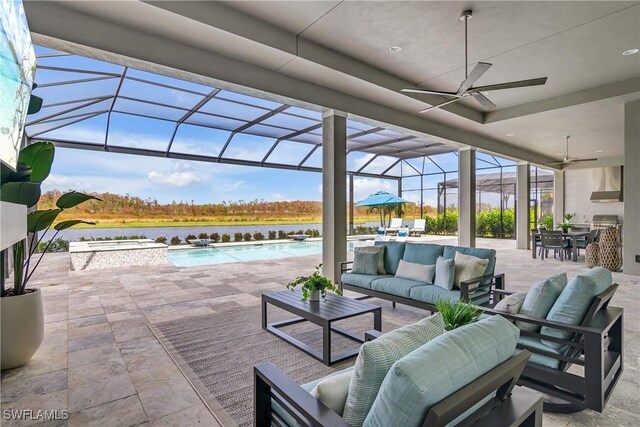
(567, 226)
(314, 286)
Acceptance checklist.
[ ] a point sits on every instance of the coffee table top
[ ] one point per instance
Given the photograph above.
(335, 307)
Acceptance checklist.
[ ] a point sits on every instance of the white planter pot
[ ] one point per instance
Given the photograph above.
(315, 296)
(22, 328)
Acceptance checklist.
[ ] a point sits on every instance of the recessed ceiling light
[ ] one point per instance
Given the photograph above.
(598, 151)
(630, 52)
(510, 134)
(395, 49)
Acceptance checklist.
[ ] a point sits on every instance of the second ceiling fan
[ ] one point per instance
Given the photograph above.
(466, 89)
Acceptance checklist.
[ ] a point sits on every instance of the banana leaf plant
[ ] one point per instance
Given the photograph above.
(22, 186)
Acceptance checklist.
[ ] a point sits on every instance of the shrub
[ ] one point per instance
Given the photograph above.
(547, 222)
(247, 237)
(56, 245)
(308, 232)
(203, 236)
(175, 240)
(315, 233)
(161, 239)
(258, 236)
(226, 238)
(272, 235)
(282, 234)
(237, 237)
(456, 314)
(190, 237)
(215, 237)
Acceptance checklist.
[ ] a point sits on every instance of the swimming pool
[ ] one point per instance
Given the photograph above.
(228, 254)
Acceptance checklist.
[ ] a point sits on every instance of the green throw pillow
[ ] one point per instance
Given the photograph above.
(376, 358)
(365, 263)
(539, 300)
(445, 273)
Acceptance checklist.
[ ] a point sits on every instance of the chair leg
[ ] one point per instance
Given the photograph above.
(393, 304)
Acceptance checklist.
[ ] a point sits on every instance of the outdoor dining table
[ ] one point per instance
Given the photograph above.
(571, 235)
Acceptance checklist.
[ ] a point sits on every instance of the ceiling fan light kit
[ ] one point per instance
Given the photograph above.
(466, 88)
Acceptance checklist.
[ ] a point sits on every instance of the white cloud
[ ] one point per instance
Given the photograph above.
(363, 187)
(173, 179)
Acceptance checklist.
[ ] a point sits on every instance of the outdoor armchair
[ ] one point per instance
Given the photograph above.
(419, 226)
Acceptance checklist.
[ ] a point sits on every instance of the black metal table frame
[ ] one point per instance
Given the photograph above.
(304, 316)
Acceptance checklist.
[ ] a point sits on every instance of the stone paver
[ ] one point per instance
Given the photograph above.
(100, 361)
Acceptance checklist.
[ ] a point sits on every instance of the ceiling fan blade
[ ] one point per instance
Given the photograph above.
(556, 163)
(509, 85)
(475, 74)
(582, 160)
(426, 110)
(483, 100)
(429, 92)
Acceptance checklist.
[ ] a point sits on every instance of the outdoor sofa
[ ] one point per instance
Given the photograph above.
(419, 293)
(577, 348)
(479, 391)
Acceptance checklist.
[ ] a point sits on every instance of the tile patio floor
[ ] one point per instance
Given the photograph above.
(100, 361)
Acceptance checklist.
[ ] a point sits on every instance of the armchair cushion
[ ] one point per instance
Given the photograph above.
(540, 359)
(468, 267)
(376, 358)
(375, 249)
(416, 271)
(395, 286)
(392, 255)
(439, 368)
(432, 294)
(332, 391)
(574, 302)
(422, 253)
(365, 263)
(359, 280)
(540, 298)
(445, 273)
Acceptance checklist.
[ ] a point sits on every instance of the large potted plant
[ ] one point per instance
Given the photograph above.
(314, 286)
(22, 318)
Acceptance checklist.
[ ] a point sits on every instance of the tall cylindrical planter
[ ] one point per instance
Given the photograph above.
(22, 328)
(592, 255)
(610, 249)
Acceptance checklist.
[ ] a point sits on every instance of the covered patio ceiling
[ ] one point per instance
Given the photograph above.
(97, 105)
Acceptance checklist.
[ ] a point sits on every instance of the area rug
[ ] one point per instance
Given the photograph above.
(217, 353)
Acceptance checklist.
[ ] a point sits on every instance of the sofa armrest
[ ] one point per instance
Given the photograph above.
(496, 281)
(271, 383)
(372, 335)
(345, 266)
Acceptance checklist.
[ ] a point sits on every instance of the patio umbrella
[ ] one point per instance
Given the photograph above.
(381, 200)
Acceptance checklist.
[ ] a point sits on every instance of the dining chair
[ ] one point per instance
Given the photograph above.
(553, 240)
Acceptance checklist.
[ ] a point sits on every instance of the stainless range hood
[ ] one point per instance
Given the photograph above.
(607, 184)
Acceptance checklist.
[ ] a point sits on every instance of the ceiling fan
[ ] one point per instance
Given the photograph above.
(568, 160)
(466, 89)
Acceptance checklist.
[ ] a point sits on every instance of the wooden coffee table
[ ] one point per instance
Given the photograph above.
(321, 313)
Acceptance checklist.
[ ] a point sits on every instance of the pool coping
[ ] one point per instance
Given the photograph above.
(262, 242)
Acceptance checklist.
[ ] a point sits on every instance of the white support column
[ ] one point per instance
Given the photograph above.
(558, 197)
(334, 197)
(631, 194)
(467, 197)
(523, 186)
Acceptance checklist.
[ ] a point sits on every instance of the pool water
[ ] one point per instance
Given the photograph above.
(228, 254)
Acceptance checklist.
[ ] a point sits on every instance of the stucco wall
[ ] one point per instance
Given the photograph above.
(577, 192)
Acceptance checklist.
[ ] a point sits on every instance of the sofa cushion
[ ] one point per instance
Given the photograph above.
(416, 271)
(540, 359)
(432, 294)
(445, 273)
(392, 255)
(376, 358)
(511, 304)
(539, 300)
(395, 286)
(333, 391)
(286, 417)
(468, 267)
(574, 302)
(422, 253)
(359, 280)
(365, 263)
(439, 368)
(376, 249)
(449, 252)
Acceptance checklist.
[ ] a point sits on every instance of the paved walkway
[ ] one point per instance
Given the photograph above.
(100, 362)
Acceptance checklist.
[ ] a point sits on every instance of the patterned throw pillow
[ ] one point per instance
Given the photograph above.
(375, 249)
(365, 263)
(468, 267)
(376, 358)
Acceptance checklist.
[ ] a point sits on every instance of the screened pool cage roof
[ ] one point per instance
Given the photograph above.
(97, 105)
(501, 182)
